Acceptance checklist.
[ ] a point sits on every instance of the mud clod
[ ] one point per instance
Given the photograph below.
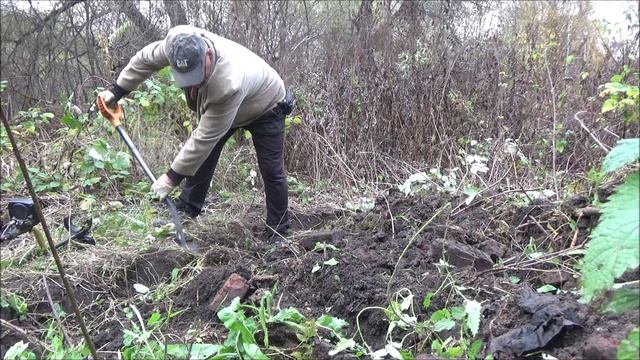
(599, 347)
(234, 286)
(461, 255)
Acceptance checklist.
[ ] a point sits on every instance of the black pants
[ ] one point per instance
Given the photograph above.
(267, 133)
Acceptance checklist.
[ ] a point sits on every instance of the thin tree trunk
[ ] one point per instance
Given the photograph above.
(176, 13)
(134, 15)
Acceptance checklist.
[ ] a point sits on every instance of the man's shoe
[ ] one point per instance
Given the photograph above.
(186, 209)
(268, 235)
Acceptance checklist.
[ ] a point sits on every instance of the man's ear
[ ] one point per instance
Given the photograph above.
(208, 62)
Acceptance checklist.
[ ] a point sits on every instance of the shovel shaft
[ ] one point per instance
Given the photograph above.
(114, 117)
(134, 150)
(172, 207)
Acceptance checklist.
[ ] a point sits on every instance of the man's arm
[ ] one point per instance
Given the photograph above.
(214, 123)
(141, 66)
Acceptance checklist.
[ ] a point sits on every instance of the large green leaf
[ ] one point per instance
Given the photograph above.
(192, 351)
(70, 121)
(289, 314)
(614, 245)
(624, 300)
(253, 352)
(625, 152)
(121, 161)
(331, 322)
(629, 348)
(443, 324)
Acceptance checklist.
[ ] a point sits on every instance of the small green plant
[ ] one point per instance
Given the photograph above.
(323, 247)
(14, 302)
(241, 341)
(31, 120)
(54, 337)
(299, 188)
(43, 181)
(622, 98)
(19, 351)
(317, 267)
(403, 321)
(101, 157)
(145, 340)
(59, 350)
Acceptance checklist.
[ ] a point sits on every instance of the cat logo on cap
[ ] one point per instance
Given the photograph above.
(182, 63)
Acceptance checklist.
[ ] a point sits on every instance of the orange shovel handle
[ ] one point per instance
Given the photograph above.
(112, 115)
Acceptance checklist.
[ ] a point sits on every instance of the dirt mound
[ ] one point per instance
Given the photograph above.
(362, 259)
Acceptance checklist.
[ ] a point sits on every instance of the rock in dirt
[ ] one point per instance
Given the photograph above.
(549, 316)
(234, 286)
(494, 249)
(308, 241)
(556, 278)
(461, 255)
(599, 347)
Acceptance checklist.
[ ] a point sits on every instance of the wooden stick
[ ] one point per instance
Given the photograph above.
(47, 233)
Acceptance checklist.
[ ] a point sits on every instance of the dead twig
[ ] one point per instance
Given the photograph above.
(24, 333)
(55, 313)
(395, 268)
(555, 120)
(602, 146)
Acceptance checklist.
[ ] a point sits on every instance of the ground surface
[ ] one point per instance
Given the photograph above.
(496, 253)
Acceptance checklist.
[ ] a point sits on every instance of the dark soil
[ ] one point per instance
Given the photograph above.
(369, 246)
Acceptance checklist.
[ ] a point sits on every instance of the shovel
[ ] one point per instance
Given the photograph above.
(114, 117)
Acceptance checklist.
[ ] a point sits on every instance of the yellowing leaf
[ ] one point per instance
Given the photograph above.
(608, 105)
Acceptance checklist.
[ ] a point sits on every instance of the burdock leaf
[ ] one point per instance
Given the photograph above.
(614, 245)
(625, 152)
(624, 300)
(630, 347)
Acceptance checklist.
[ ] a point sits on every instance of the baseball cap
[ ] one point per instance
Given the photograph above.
(186, 57)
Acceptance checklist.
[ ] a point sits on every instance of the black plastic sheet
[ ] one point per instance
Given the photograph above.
(549, 317)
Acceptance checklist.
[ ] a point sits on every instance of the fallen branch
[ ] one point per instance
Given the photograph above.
(587, 211)
(53, 310)
(24, 333)
(602, 146)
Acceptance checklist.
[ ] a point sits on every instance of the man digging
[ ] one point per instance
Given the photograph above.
(229, 87)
